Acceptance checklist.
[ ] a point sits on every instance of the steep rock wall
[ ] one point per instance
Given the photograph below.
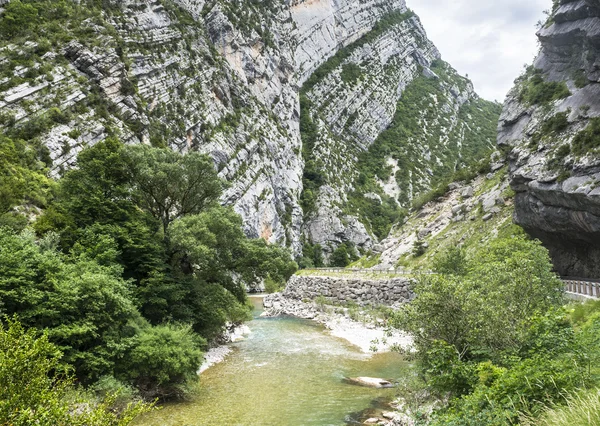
(224, 78)
(550, 126)
(323, 26)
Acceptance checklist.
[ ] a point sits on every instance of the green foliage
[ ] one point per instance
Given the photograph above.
(163, 360)
(85, 307)
(588, 139)
(514, 276)
(172, 185)
(558, 123)
(580, 78)
(351, 73)
(451, 262)
(18, 18)
(33, 391)
(23, 177)
(312, 256)
(536, 91)
(343, 255)
(419, 248)
(516, 353)
(138, 228)
(214, 243)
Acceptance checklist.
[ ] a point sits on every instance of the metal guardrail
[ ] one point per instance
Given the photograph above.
(582, 287)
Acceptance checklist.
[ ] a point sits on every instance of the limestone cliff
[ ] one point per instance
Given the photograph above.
(550, 127)
(224, 77)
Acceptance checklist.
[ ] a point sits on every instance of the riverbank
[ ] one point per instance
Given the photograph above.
(356, 325)
(218, 353)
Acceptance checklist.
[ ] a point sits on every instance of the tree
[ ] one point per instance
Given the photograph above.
(217, 261)
(172, 185)
(33, 390)
(489, 309)
(85, 307)
(343, 255)
(97, 198)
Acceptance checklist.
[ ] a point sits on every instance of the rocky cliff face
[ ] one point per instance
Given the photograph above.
(551, 128)
(224, 77)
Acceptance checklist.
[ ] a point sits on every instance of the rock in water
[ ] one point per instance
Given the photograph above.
(369, 382)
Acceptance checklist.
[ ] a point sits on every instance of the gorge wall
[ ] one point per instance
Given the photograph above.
(550, 127)
(226, 78)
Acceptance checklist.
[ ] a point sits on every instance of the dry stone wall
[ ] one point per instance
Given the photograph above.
(352, 289)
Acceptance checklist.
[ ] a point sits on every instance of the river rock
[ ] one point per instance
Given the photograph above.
(370, 382)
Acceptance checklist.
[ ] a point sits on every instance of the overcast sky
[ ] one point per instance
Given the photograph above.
(490, 40)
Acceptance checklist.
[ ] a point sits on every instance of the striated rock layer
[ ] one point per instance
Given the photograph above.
(224, 78)
(550, 126)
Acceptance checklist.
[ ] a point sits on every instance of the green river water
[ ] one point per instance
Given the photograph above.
(288, 372)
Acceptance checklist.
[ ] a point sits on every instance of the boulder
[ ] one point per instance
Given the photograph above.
(370, 382)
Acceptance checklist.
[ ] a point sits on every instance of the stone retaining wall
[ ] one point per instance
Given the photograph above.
(343, 290)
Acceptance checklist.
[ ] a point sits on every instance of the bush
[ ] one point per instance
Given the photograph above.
(588, 139)
(513, 275)
(163, 361)
(535, 90)
(343, 255)
(351, 73)
(34, 386)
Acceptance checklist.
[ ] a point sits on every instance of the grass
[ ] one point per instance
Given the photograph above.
(581, 409)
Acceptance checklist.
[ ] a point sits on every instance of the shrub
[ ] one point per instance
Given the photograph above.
(351, 73)
(343, 255)
(34, 386)
(535, 90)
(588, 139)
(163, 361)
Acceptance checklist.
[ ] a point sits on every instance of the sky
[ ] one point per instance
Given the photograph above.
(490, 40)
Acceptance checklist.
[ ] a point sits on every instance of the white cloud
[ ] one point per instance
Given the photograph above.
(489, 40)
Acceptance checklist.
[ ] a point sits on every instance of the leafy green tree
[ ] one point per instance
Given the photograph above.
(32, 391)
(172, 185)
(343, 255)
(22, 180)
(85, 307)
(211, 249)
(484, 314)
(451, 262)
(97, 198)
(213, 244)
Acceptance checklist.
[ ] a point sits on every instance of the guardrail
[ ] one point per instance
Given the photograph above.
(582, 287)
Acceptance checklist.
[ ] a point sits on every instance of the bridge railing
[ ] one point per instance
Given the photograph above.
(582, 287)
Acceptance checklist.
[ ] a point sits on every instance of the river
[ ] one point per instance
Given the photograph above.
(288, 372)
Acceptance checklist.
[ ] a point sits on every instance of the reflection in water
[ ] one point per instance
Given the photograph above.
(287, 372)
